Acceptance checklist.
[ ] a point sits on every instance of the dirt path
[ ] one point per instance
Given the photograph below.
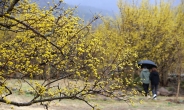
(160, 104)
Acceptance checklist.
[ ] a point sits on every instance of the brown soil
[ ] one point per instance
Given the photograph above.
(162, 103)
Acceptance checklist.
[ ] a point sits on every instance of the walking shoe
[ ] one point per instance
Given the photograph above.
(154, 96)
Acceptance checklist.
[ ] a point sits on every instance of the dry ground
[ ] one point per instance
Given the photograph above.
(103, 103)
(110, 104)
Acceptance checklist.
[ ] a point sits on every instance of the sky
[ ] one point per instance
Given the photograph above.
(110, 5)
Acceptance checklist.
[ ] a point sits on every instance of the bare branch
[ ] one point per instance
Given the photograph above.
(36, 32)
(10, 92)
(43, 100)
(95, 18)
(59, 79)
(5, 25)
(87, 102)
(51, 10)
(12, 5)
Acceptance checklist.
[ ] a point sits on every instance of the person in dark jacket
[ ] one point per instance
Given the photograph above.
(154, 78)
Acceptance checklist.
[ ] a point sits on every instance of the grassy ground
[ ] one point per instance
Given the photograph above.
(110, 104)
(103, 103)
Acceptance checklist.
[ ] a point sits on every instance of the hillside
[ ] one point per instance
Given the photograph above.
(84, 12)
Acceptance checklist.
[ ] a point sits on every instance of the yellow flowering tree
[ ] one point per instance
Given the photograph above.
(153, 32)
(53, 45)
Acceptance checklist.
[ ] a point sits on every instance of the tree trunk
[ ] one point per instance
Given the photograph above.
(180, 58)
(179, 78)
(163, 77)
(47, 74)
(178, 89)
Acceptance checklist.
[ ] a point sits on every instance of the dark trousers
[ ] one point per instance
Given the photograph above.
(154, 88)
(146, 87)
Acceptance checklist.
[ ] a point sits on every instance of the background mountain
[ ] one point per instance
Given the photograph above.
(110, 5)
(84, 11)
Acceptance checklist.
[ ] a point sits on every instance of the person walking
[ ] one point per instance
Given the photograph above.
(154, 78)
(145, 73)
